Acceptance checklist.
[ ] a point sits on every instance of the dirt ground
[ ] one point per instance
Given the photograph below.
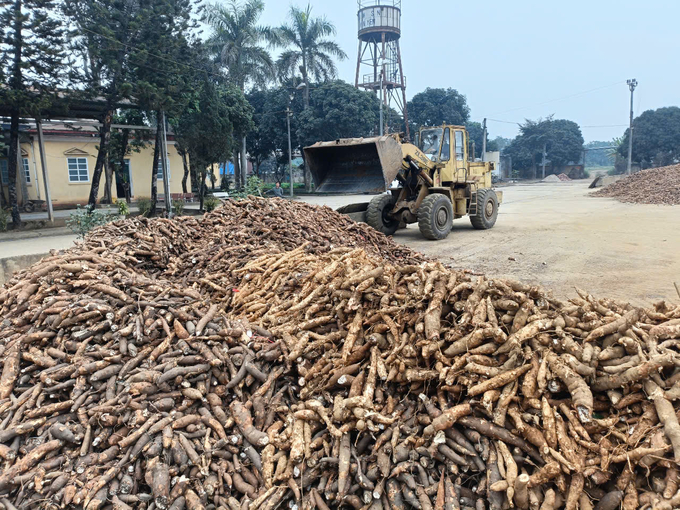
(558, 236)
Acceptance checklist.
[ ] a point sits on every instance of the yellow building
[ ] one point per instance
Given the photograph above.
(71, 154)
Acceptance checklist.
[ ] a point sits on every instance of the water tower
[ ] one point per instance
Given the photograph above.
(379, 67)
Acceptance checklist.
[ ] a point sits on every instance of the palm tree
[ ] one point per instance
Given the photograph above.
(311, 52)
(237, 41)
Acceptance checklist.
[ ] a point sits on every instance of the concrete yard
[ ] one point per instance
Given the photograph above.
(561, 237)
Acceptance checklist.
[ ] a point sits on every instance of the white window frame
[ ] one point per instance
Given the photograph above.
(159, 169)
(78, 169)
(25, 164)
(4, 175)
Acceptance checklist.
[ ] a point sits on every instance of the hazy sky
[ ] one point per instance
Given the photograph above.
(517, 59)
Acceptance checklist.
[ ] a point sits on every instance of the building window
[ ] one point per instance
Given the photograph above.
(4, 172)
(77, 170)
(27, 170)
(159, 170)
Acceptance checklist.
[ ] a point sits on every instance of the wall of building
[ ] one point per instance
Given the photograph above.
(495, 158)
(65, 191)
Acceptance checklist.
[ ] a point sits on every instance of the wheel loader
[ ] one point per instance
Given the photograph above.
(431, 182)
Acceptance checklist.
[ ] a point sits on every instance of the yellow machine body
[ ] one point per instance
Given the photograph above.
(438, 163)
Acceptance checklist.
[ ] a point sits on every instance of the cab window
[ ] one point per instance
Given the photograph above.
(446, 146)
(460, 146)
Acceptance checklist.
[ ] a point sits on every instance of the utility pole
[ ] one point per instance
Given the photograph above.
(166, 177)
(43, 165)
(484, 140)
(543, 164)
(382, 122)
(290, 152)
(631, 85)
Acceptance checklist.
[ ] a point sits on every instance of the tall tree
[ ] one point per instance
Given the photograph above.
(211, 111)
(205, 128)
(260, 146)
(32, 63)
(272, 124)
(123, 142)
(338, 110)
(102, 33)
(656, 137)
(561, 138)
(238, 41)
(163, 64)
(434, 107)
(311, 52)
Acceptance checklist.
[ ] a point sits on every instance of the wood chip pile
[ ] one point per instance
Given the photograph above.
(322, 377)
(654, 186)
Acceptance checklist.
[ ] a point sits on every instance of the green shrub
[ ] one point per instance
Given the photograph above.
(123, 209)
(82, 221)
(210, 203)
(254, 186)
(144, 206)
(5, 215)
(178, 207)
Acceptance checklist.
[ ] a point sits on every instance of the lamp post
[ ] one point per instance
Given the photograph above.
(631, 85)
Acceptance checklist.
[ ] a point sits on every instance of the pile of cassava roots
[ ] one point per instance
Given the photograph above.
(659, 186)
(277, 355)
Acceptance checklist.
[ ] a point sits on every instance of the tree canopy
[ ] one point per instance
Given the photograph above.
(656, 137)
(32, 64)
(309, 48)
(434, 107)
(238, 42)
(561, 138)
(337, 110)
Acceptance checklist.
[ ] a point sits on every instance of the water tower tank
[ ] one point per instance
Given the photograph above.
(378, 17)
(379, 65)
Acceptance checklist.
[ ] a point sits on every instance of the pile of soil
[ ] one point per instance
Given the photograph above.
(563, 177)
(272, 355)
(552, 178)
(653, 186)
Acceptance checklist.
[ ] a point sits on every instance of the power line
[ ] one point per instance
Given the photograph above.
(606, 126)
(560, 98)
(505, 121)
(127, 45)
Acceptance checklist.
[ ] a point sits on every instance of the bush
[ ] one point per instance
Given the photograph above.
(254, 186)
(144, 206)
(123, 209)
(178, 207)
(82, 221)
(5, 215)
(210, 203)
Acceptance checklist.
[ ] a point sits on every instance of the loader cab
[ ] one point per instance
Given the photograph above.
(446, 145)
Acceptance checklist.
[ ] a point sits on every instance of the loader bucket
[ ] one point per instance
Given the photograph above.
(354, 165)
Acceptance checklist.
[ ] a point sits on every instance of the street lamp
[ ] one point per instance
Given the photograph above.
(631, 85)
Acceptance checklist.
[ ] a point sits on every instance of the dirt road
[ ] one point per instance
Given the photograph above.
(560, 237)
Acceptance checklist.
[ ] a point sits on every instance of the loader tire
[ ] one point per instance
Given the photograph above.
(487, 210)
(435, 216)
(376, 215)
